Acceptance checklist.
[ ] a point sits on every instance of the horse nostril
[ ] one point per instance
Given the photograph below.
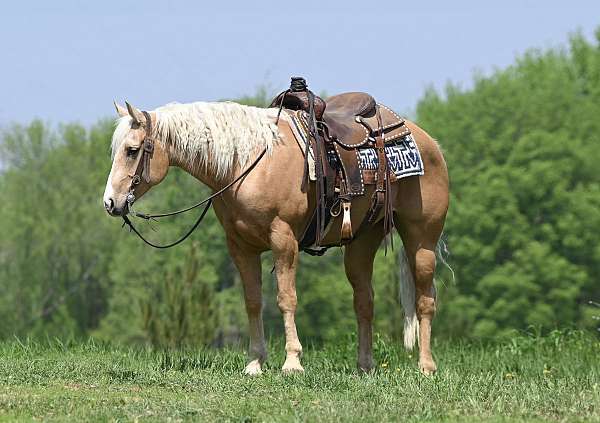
(109, 205)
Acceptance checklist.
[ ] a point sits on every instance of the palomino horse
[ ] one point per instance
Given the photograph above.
(267, 210)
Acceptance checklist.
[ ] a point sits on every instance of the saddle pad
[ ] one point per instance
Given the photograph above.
(301, 135)
(404, 158)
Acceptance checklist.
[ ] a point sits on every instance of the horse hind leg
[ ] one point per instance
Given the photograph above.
(358, 263)
(425, 299)
(419, 299)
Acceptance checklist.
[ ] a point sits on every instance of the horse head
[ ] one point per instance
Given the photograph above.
(139, 162)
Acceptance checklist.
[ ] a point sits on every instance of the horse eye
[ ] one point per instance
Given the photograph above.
(132, 151)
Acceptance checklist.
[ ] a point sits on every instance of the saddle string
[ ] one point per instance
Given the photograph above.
(388, 213)
(318, 173)
(281, 105)
(320, 157)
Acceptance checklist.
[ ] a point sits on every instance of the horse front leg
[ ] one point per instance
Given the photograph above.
(285, 255)
(249, 266)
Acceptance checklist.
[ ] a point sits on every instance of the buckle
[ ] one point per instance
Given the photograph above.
(148, 146)
(136, 180)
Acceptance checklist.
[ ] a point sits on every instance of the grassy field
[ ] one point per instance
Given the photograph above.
(525, 379)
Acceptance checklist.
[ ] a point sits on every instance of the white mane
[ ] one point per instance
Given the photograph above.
(226, 132)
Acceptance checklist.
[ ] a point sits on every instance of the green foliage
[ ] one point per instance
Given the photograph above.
(56, 244)
(524, 379)
(522, 150)
(181, 310)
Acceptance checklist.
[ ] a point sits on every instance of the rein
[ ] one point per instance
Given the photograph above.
(143, 171)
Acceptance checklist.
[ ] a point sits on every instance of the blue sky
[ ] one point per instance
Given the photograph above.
(66, 61)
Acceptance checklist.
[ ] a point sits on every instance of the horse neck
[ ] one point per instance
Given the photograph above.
(199, 171)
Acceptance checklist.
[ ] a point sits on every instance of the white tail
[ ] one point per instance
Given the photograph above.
(407, 298)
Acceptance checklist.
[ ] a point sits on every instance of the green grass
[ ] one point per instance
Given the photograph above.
(524, 379)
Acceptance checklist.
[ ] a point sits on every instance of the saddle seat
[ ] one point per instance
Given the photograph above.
(351, 119)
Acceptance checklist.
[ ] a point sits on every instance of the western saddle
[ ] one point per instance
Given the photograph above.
(337, 129)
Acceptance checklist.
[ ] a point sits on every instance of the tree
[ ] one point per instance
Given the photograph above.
(522, 153)
(56, 247)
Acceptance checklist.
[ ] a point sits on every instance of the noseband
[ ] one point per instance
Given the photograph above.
(142, 172)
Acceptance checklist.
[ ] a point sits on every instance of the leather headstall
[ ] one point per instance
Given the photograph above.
(142, 170)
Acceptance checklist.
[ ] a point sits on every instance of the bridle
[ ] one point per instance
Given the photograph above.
(142, 172)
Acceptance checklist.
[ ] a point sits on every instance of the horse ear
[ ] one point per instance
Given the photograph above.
(137, 116)
(121, 111)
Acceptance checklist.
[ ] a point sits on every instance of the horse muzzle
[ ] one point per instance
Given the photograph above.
(113, 210)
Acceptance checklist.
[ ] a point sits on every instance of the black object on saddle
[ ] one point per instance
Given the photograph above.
(299, 97)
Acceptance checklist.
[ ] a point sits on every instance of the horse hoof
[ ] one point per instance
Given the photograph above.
(427, 367)
(253, 368)
(366, 367)
(292, 365)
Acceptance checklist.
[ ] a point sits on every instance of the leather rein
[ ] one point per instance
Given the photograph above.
(142, 171)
